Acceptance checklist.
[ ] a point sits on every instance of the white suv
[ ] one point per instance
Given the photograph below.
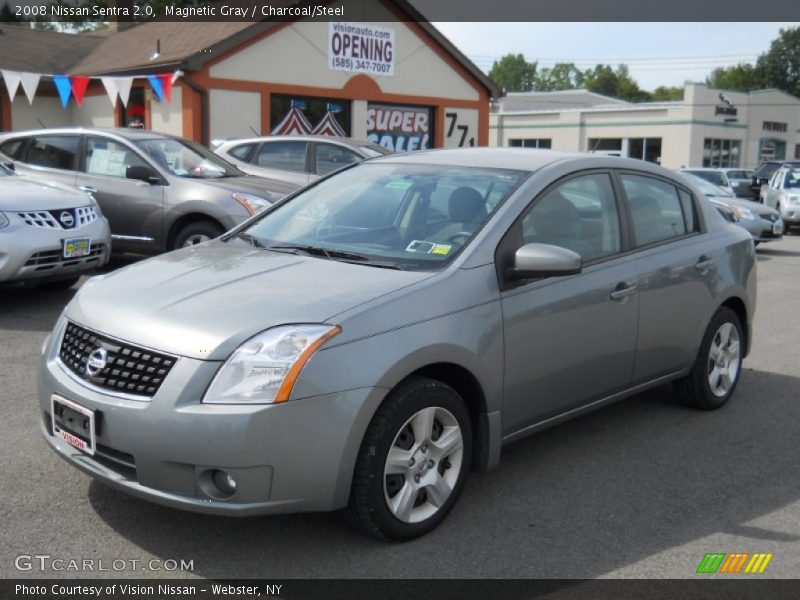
(783, 194)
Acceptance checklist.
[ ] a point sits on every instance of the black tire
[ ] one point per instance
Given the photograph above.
(199, 229)
(368, 508)
(61, 284)
(695, 389)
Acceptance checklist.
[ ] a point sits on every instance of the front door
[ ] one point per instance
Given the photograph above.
(570, 340)
(134, 208)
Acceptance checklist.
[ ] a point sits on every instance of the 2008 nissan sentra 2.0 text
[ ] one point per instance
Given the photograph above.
(366, 342)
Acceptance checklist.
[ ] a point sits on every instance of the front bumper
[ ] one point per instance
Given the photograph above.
(763, 230)
(791, 214)
(291, 457)
(32, 253)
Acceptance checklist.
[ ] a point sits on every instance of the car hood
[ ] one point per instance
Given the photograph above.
(269, 189)
(756, 207)
(20, 193)
(204, 301)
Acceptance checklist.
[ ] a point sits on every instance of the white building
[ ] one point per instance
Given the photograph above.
(708, 127)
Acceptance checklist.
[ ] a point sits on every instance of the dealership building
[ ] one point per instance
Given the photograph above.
(708, 128)
(388, 76)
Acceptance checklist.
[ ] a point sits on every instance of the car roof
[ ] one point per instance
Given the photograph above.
(518, 159)
(347, 141)
(128, 134)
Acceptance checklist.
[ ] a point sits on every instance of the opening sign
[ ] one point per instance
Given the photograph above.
(361, 48)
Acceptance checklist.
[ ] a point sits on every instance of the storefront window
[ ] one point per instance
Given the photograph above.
(400, 128)
(612, 146)
(772, 150)
(305, 115)
(530, 143)
(721, 153)
(648, 149)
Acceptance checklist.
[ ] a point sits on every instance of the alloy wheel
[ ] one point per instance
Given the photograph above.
(724, 360)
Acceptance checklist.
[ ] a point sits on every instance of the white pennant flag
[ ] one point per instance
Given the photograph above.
(30, 82)
(110, 84)
(123, 88)
(12, 79)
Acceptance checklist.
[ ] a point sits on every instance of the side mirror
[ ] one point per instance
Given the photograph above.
(544, 260)
(141, 174)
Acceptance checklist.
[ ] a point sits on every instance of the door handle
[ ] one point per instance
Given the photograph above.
(704, 264)
(623, 290)
(87, 189)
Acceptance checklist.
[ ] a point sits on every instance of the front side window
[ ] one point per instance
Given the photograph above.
(580, 215)
(660, 211)
(53, 152)
(110, 158)
(387, 214)
(186, 159)
(286, 156)
(331, 157)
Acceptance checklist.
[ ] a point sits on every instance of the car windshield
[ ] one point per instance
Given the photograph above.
(715, 177)
(186, 159)
(740, 174)
(373, 150)
(708, 189)
(392, 215)
(792, 179)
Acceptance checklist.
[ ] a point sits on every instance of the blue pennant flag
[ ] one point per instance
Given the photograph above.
(299, 104)
(157, 88)
(64, 88)
(334, 108)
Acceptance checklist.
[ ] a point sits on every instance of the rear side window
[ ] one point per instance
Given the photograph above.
(660, 211)
(53, 152)
(286, 156)
(242, 151)
(12, 148)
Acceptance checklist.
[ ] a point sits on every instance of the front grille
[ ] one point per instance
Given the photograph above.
(769, 216)
(69, 218)
(129, 369)
(48, 259)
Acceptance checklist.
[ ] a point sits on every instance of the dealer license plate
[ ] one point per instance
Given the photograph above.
(77, 247)
(73, 423)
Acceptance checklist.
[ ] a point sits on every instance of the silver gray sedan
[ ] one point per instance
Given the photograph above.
(365, 343)
(50, 235)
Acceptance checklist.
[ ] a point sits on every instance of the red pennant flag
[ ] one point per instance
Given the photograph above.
(79, 84)
(166, 85)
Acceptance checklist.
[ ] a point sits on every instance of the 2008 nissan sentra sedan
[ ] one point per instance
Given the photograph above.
(368, 341)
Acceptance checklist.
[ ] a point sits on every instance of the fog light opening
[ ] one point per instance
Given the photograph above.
(224, 482)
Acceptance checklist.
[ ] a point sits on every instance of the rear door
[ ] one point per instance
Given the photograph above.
(676, 275)
(51, 157)
(134, 209)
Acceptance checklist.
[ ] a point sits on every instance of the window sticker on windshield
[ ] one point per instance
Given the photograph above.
(398, 184)
(443, 249)
(421, 247)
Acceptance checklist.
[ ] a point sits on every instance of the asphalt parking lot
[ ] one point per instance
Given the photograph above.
(643, 488)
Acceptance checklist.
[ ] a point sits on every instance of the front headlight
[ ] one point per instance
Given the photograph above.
(253, 204)
(264, 369)
(792, 199)
(743, 213)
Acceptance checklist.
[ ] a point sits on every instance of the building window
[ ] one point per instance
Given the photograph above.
(303, 115)
(772, 150)
(400, 128)
(647, 149)
(609, 146)
(530, 143)
(797, 151)
(721, 153)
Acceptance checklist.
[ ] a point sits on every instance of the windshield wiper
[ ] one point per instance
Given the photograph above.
(330, 254)
(243, 235)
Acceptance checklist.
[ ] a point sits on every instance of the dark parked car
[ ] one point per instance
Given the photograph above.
(158, 192)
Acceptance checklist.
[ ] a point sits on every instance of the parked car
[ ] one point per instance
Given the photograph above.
(783, 194)
(50, 234)
(365, 342)
(297, 159)
(764, 173)
(736, 181)
(158, 192)
(762, 222)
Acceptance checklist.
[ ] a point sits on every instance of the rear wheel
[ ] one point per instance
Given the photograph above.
(716, 371)
(413, 462)
(61, 284)
(196, 233)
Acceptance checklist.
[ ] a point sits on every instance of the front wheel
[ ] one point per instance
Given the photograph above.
(716, 371)
(413, 461)
(196, 233)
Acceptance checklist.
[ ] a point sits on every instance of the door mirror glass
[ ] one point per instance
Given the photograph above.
(140, 173)
(544, 260)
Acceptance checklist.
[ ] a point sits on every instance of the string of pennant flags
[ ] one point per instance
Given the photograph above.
(74, 86)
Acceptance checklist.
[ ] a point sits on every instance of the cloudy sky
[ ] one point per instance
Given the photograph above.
(657, 53)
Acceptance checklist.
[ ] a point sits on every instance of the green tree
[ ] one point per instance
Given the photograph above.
(742, 78)
(665, 93)
(617, 83)
(513, 73)
(561, 76)
(780, 65)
